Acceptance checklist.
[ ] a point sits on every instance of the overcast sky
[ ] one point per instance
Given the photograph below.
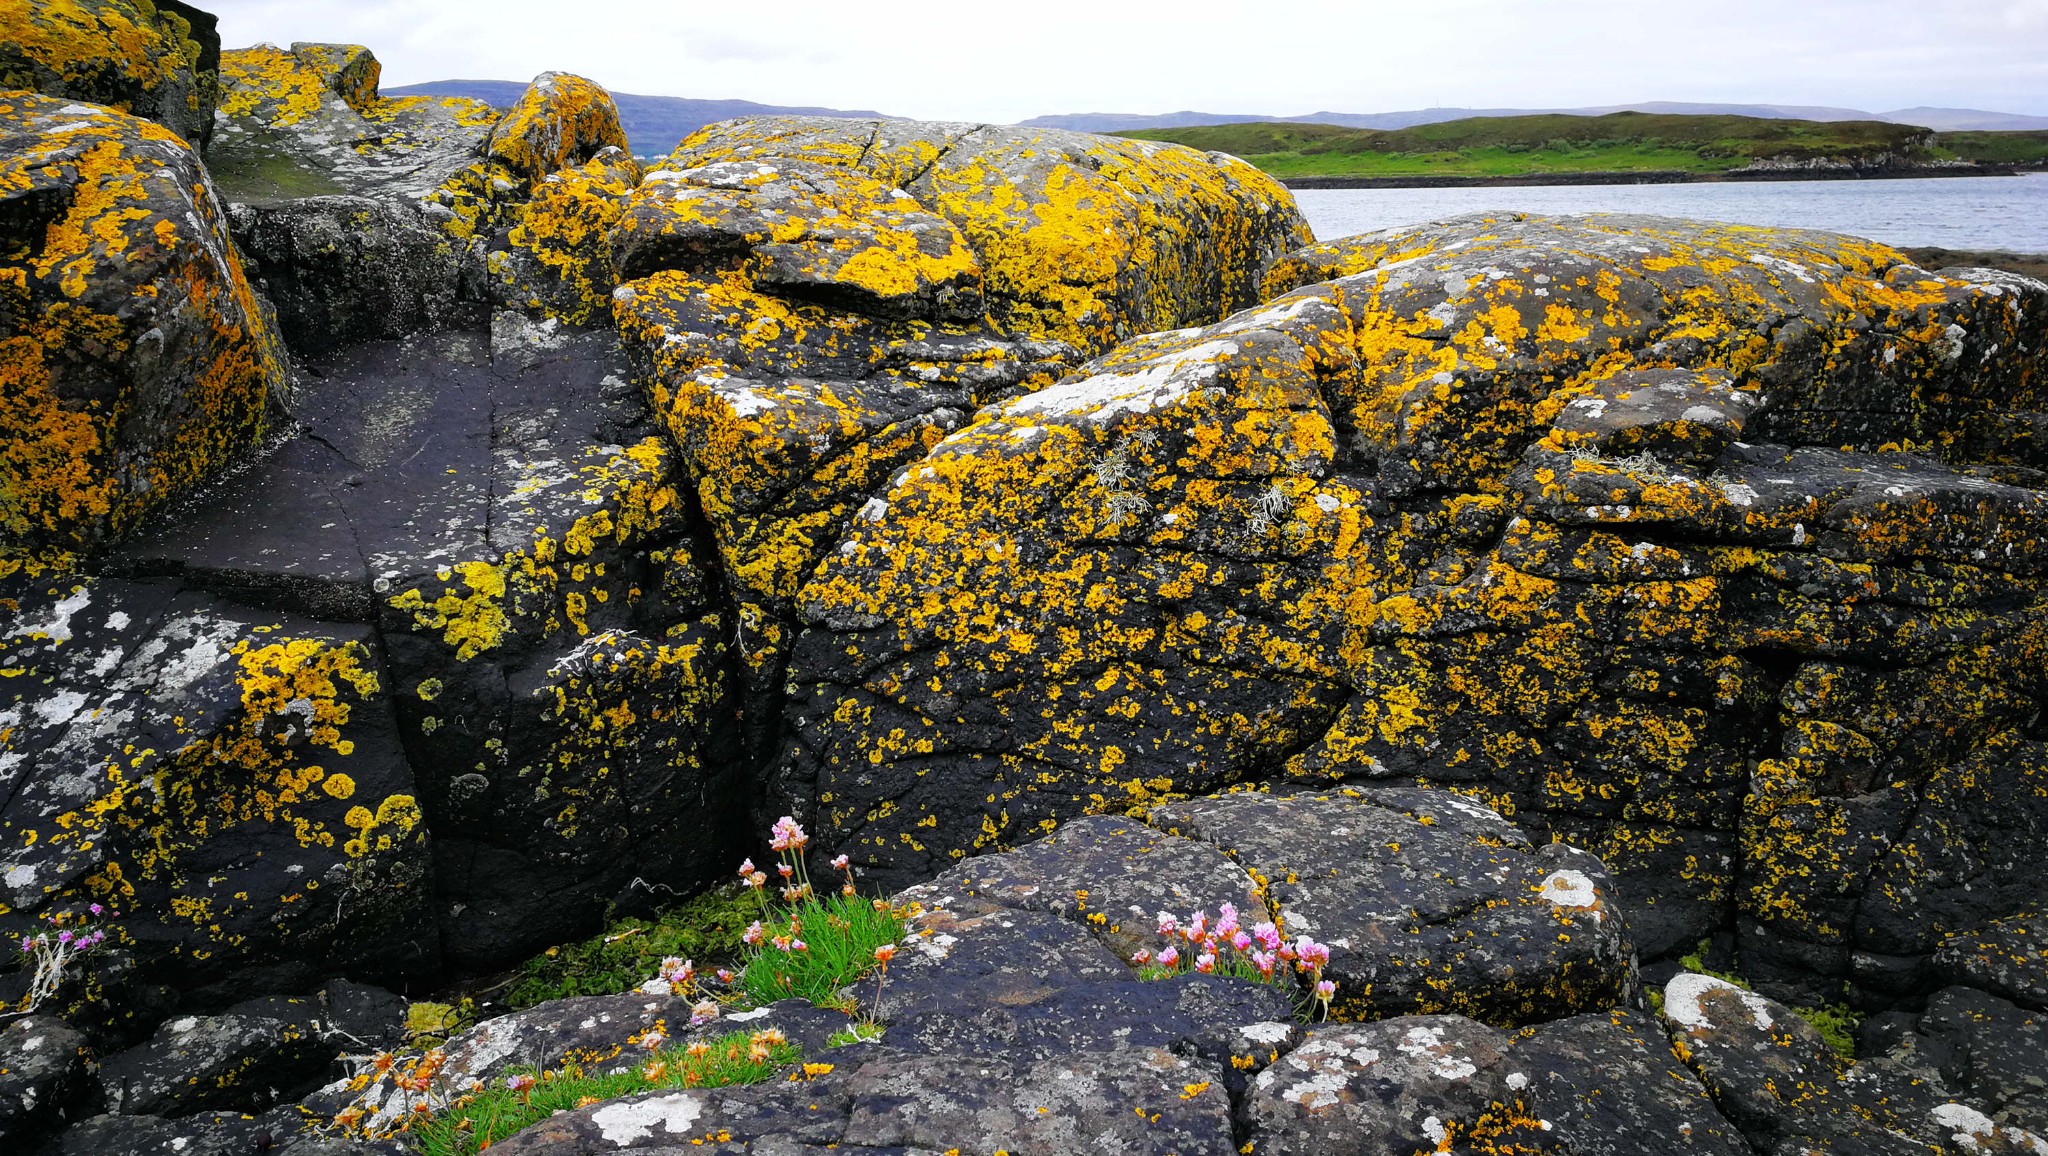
(979, 60)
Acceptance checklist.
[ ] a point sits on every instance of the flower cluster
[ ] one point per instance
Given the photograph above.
(1228, 947)
(48, 955)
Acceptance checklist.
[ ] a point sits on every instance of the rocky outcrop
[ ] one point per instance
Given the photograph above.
(136, 363)
(159, 61)
(817, 302)
(1667, 538)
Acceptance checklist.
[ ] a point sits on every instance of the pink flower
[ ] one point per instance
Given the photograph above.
(1168, 924)
(784, 870)
(1313, 955)
(746, 868)
(704, 1012)
(1169, 957)
(724, 976)
(786, 835)
(1141, 959)
(841, 863)
(757, 880)
(1198, 927)
(799, 945)
(1268, 936)
(1263, 960)
(95, 909)
(1325, 989)
(520, 1082)
(782, 942)
(1226, 923)
(1205, 963)
(752, 935)
(1241, 942)
(652, 1040)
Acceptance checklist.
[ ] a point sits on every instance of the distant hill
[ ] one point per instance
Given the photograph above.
(1967, 120)
(653, 124)
(1559, 145)
(1940, 119)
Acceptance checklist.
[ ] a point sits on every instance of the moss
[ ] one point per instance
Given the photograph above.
(629, 951)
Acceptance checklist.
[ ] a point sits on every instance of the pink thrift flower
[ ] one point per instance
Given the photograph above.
(1325, 989)
(1263, 960)
(1226, 922)
(752, 935)
(1205, 963)
(1169, 957)
(799, 945)
(520, 1082)
(1241, 942)
(95, 909)
(746, 868)
(841, 863)
(1268, 936)
(652, 1040)
(786, 835)
(703, 1013)
(1168, 924)
(724, 975)
(1198, 926)
(1141, 959)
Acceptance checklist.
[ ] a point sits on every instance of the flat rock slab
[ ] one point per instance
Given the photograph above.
(251, 1057)
(43, 1076)
(1114, 876)
(1429, 902)
(1137, 1101)
(1392, 1086)
(2006, 957)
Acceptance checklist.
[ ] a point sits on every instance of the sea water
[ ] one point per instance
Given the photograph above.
(2003, 213)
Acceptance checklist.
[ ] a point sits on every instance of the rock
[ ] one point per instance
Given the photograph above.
(138, 364)
(560, 121)
(500, 514)
(253, 1056)
(556, 261)
(2006, 957)
(1769, 1071)
(1989, 1050)
(1476, 504)
(1598, 1085)
(1429, 902)
(1138, 1101)
(159, 60)
(360, 1017)
(207, 1134)
(309, 121)
(43, 1077)
(1115, 877)
(342, 270)
(817, 302)
(231, 781)
(1392, 1086)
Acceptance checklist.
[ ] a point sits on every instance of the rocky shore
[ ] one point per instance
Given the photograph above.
(1607, 652)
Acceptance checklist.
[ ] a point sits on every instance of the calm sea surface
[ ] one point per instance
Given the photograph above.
(2008, 213)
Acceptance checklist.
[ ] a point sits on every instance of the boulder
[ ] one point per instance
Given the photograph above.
(159, 61)
(309, 121)
(1988, 1049)
(205, 1134)
(2006, 957)
(44, 1078)
(498, 515)
(560, 121)
(1586, 517)
(815, 303)
(252, 1056)
(137, 363)
(1428, 902)
(1392, 1086)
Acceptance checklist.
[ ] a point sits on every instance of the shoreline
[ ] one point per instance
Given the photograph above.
(1651, 177)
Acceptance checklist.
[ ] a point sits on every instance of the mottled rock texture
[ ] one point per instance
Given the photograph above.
(1713, 550)
(158, 60)
(134, 361)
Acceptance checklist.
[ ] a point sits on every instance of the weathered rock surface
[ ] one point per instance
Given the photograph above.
(134, 361)
(817, 302)
(1555, 510)
(247, 1059)
(43, 1077)
(158, 60)
(2006, 957)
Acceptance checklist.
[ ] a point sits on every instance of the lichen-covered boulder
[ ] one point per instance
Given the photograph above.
(817, 302)
(157, 60)
(246, 1059)
(556, 260)
(231, 781)
(309, 121)
(499, 510)
(1393, 1086)
(2006, 958)
(560, 121)
(135, 363)
(1713, 550)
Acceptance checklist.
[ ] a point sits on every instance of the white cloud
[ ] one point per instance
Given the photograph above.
(946, 59)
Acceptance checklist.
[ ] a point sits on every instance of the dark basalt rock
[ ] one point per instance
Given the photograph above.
(1393, 1086)
(251, 1057)
(44, 1077)
(2006, 957)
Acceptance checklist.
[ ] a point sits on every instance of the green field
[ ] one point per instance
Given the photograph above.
(1620, 142)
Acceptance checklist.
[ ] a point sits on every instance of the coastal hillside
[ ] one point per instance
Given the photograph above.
(1623, 142)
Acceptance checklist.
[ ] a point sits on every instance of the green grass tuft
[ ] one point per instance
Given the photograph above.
(840, 934)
